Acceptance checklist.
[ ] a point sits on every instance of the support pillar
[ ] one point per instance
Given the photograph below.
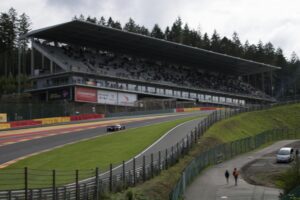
(271, 80)
(263, 82)
(51, 66)
(32, 58)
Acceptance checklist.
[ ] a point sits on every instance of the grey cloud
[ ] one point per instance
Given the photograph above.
(254, 20)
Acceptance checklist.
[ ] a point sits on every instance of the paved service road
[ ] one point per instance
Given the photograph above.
(39, 139)
(211, 184)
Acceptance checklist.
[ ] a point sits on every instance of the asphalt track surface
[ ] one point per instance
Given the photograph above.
(211, 184)
(58, 137)
(171, 138)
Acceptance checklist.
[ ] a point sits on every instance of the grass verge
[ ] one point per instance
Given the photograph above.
(85, 155)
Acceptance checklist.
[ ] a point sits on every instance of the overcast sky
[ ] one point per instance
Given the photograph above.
(277, 21)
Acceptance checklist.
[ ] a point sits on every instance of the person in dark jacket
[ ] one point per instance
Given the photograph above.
(227, 176)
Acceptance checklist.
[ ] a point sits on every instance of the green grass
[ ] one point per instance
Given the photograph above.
(234, 128)
(85, 155)
(252, 123)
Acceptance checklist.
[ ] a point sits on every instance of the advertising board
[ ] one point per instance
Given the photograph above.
(3, 117)
(126, 99)
(107, 97)
(83, 94)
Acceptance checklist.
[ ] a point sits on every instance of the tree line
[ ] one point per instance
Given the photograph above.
(12, 26)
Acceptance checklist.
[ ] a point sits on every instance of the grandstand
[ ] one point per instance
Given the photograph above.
(87, 63)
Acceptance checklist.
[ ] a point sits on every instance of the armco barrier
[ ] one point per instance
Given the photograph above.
(86, 117)
(24, 123)
(4, 126)
(209, 108)
(53, 120)
(197, 109)
(179, 109)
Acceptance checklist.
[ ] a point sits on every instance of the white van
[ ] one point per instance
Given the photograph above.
(285, 154)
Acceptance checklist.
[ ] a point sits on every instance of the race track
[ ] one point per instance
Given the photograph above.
(16, 144)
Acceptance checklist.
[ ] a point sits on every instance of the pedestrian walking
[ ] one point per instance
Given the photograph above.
(235, 174)
(227, 176)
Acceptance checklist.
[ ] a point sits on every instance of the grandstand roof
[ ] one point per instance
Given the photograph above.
(92, 35)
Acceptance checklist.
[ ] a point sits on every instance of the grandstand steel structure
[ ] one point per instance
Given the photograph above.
(56, 76)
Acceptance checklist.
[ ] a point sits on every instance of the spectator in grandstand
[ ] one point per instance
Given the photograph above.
(125, 66)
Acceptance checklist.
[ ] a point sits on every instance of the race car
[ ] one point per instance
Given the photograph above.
(116, 127)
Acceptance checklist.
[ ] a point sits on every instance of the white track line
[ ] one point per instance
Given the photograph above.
(157, 141)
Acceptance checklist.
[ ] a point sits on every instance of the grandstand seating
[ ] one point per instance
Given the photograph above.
(125, 66)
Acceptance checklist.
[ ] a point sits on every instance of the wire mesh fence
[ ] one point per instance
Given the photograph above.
(31, 184)
(227, 151)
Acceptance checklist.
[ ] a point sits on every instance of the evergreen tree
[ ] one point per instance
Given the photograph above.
(186, 35)
(215, 42)
(157, 32)
(102, 21)
(141, 30)
(235, 47)
(269, 53)
(259, 55)
(81, 17)
(110, 22)
(117, 25)
(23, 28)
(195, 39)
(206, 42)
(130, 26)
(167, 34)
(225, 45)
(92, 20)
(176, 31)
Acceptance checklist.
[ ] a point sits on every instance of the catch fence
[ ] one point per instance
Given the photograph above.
(227, 151)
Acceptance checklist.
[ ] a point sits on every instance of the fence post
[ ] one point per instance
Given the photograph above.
(172, 155)
(134, 174)
(166, 159)
(9, 195)
(144, 168)
(152, 166)
(183, 182)
(177, 152)
(187, 143)
(77, 184)
(97, 183)
(124, 175)
(110, 177)
(26, 182)
(65, 193)
(53, 185)
(159, 161)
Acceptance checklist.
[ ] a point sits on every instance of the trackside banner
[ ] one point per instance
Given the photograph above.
(3, 117)
(116, 98)
(126, 99)
(83, 94)
(107, 97)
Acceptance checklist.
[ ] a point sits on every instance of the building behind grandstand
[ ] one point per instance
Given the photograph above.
(95, 67)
